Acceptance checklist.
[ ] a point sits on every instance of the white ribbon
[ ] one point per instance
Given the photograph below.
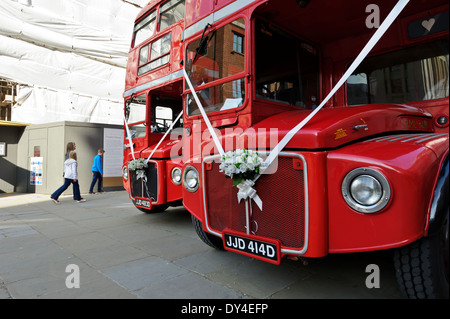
(369, 46)
(245, 187)
(129, 136)
(246, 190)
(162, 139)
(140, 173)
(205, 117)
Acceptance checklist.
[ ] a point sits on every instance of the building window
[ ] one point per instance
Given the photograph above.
(237, 88)
(238, 43)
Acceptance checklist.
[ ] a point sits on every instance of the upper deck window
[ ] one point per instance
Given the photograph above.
(414, 74)
(209, 62)
(145, 28)
(171, 12)
(286, 69)
(157, 56)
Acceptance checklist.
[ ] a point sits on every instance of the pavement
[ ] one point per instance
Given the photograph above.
(107, 249)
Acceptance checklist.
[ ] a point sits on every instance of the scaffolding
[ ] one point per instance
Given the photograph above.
(8, 95)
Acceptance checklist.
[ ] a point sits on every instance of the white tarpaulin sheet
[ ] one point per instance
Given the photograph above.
(69, 54)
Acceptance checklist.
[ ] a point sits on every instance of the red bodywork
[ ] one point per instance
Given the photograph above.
(304, 209)
(165, 80)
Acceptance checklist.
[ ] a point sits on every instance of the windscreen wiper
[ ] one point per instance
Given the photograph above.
(201, 44)
(127, 106)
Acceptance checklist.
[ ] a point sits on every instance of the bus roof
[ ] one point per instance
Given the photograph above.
(150, 5)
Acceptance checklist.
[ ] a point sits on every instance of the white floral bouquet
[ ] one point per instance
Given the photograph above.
(241, 165)
(136, 166)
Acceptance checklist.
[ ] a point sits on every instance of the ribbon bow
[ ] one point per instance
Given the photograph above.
(140, 173)
(246, 190)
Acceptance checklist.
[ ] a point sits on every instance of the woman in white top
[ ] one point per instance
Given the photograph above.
(70, 177)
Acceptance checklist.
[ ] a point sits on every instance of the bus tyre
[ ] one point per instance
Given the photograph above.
(422, 267)
(207, 238)
(155, 209)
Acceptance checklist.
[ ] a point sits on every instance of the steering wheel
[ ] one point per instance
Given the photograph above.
(159, 127)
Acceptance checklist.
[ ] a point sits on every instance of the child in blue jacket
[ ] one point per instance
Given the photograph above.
(97, 172)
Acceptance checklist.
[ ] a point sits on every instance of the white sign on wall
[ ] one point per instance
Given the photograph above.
(113, 157)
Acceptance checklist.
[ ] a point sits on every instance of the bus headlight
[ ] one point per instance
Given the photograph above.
(190, 179)
(176, 176)
(125, 172)
(366, 190)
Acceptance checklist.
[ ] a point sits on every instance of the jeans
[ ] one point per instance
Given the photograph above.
(96, 176)
(67, 182)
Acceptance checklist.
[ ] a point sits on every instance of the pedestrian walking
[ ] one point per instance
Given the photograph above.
(70, 177)
(97, 172)
(69, 148)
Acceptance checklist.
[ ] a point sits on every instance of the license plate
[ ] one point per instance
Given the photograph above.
(143, 203)
(261, 249)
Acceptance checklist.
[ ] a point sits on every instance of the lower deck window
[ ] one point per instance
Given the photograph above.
(287, 69)
(414, 74)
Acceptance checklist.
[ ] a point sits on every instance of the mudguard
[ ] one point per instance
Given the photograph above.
(440, 202)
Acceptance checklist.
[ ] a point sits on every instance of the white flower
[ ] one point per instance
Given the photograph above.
(238, 159)
(139, 163)
(229, 154)
(240, 163)
(243, 168)
(230, 170)
(138, 166)
(132, 166)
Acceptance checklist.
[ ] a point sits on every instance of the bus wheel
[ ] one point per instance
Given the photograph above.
(155, 209)
(422, 267)
(207, 238)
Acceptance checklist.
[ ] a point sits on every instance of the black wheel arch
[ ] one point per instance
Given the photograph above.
(440, 202)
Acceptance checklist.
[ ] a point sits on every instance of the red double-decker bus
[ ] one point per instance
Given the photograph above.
(346, 104)
(153, 88)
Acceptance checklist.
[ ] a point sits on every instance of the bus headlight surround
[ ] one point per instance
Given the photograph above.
(366, 190)
(176, 175)
(125, 172)
(191, 178)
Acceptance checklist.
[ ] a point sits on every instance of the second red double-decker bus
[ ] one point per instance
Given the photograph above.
(153, 87)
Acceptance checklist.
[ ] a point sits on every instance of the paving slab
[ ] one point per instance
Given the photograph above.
(139, 274)
(122, 253)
